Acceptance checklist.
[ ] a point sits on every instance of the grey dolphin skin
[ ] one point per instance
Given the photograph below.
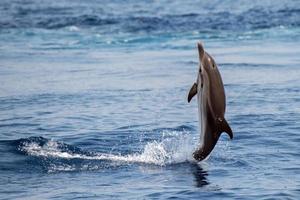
(211, 104)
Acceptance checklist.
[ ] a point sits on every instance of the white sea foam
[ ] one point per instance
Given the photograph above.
(169, 150)
(73, 28)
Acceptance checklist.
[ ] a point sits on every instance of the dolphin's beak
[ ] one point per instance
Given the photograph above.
(200, 51)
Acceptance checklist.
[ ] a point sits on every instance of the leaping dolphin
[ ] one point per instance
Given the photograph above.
(211, 104)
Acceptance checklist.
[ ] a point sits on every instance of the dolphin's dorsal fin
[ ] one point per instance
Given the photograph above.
(193, 92)
(223, 126)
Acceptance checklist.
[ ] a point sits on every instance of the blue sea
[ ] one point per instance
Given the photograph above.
(93, 99)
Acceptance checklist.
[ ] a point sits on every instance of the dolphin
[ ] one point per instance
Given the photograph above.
(211, 104)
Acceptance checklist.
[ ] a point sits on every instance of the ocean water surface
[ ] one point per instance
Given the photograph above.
(93, 99)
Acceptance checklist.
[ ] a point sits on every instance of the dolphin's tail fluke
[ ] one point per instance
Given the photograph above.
(223, 126)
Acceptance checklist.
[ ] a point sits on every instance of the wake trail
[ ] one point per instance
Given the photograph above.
(169, 150)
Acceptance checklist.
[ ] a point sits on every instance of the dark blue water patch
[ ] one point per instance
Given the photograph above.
(15, 118)
(42, 113)
(35, 154)
(12, 160)
(189, 63)
(251, 65)
(180, 128)
(13, 101)
(279, 195)
(253, 117)
(24, 10)
(18, 125)
(47, 99)
(80, 70)
(80, 21)
(42, 16)
(133, 127)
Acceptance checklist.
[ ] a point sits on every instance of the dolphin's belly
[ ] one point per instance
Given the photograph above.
(201, 96)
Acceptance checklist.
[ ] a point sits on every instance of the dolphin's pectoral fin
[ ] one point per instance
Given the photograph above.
(193, 92)
(223, 126)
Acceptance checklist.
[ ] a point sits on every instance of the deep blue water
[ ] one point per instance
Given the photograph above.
(93, 99)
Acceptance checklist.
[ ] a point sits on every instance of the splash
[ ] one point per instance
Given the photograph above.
(172, 148)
